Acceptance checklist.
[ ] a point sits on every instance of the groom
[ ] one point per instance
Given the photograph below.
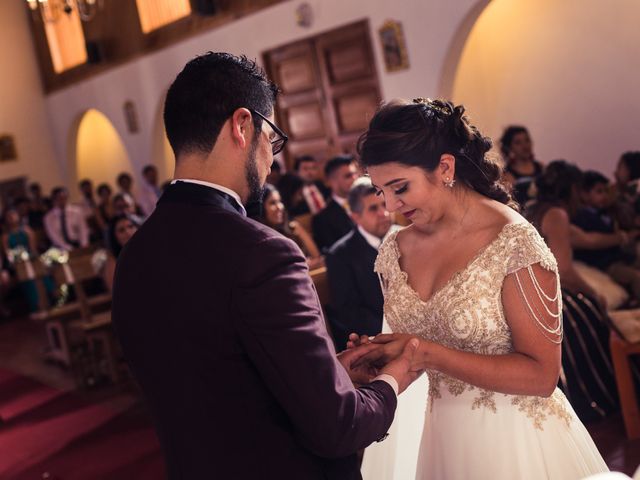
(217, 315)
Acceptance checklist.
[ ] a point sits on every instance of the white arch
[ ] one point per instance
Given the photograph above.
(96, 149)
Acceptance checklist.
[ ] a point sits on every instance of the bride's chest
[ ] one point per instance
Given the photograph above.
(465, 314)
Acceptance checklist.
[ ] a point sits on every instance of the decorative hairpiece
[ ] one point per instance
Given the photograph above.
(427, 102)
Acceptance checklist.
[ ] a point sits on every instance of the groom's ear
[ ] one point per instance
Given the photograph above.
(241, 127)
(447, 166)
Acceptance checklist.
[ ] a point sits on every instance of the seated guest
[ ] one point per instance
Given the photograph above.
(274, 174)
(593, 217)
(314, 192)
(65, 224)
(105, 212)
(274, 215)
(23, 207)
(625, 191)
(356, 297)
(149, 191)
(521, 167)
(123, 205)
(290, 188)
(334, 222)
(588, 380)
(121, 229)
(88, 203)
(125, 185)
(90, 208)
(32, 219)
(18, 235)
(40, 205)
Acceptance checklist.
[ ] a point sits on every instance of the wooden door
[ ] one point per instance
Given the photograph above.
(330, 90)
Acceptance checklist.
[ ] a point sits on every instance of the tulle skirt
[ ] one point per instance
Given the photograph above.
(451, 440)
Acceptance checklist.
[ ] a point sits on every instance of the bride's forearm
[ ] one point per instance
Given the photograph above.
(512, 373)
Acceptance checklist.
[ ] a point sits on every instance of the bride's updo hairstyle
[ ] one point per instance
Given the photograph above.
(418, 133)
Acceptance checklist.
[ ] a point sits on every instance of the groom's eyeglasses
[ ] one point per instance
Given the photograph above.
(280, 140)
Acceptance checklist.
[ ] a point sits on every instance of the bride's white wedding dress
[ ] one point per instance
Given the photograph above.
(452, 430)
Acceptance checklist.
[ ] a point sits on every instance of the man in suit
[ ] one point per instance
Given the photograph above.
(149, 190)
(334, 221)
(65, 224)
(314, 192)
(217, 315)
(356, 296)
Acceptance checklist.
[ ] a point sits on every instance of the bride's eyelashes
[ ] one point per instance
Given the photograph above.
(399, 191)
(402, 189)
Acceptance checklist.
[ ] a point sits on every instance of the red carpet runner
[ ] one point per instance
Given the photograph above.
(69, 436)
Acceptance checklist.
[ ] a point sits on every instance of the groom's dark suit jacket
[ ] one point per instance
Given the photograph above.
(222, 327)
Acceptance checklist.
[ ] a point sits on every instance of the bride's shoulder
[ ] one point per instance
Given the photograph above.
(524, 246)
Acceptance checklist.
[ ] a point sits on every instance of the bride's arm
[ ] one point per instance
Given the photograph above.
(534, 365)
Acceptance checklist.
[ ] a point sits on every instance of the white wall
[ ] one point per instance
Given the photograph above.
(23, 112)
(568, 70)
(429, 29)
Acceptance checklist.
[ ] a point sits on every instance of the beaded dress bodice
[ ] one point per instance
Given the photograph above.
(467, 314)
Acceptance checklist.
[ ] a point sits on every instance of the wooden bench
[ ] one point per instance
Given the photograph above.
(63, 323)
(103, 345)
(621, 352)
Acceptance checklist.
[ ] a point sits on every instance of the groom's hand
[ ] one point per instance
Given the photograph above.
(360, 372)
(401, 367)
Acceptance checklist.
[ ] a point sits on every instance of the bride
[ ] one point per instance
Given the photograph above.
(477, 284)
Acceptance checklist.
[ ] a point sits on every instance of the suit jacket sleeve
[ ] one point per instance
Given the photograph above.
(281, 326)
(349, 309)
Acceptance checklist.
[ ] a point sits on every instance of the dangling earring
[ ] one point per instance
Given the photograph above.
(449, 182)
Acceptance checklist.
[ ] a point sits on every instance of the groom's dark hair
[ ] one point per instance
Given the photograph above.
(207, 92)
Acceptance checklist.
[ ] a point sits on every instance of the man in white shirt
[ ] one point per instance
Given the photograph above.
(65, 224)
(314, 192)
(149, 190)
(356, 296)
(88, 203)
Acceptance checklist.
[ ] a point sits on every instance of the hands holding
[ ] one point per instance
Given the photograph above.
(391, 354)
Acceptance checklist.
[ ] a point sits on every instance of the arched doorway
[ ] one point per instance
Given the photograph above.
(97, 152)
(545, 66)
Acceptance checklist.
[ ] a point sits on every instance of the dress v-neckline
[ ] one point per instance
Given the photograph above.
(455, 275)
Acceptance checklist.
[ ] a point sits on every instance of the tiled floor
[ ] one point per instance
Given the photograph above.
(22, 343)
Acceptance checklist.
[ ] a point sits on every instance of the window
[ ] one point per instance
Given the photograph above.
(66, 41)
(154, 14)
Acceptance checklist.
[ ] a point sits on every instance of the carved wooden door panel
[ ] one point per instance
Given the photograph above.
(329, 91)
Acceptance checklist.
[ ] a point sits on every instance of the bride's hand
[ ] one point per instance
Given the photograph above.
(389, 347)
(356, 340)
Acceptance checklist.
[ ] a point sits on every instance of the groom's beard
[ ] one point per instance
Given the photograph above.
(252, 176)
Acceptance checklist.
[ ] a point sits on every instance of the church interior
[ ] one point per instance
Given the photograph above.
(82, 91)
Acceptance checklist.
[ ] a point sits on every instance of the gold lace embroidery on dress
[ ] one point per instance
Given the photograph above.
(466, 313)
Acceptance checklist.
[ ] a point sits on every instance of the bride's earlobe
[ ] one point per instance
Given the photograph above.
(447, 170)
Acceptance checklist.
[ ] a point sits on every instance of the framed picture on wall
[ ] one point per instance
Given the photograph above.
(394, 47)
(7, 148)
(131, 116)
